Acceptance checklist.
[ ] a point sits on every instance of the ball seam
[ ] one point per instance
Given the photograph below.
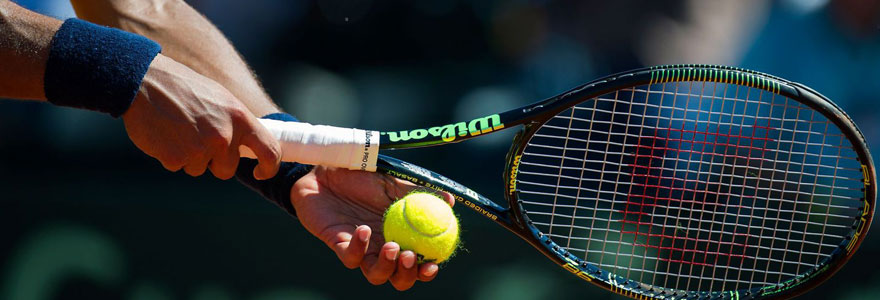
(408, 223)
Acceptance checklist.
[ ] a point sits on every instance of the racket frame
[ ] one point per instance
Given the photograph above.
(533, 116)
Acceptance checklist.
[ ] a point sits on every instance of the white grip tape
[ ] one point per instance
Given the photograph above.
(353, 149)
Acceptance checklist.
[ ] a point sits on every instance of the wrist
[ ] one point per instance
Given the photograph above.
(96, 68)
(153, 78)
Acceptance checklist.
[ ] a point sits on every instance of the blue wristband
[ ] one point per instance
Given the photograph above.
(95, 67)
(275, 189)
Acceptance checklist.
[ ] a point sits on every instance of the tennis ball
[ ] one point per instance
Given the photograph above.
(423, 223)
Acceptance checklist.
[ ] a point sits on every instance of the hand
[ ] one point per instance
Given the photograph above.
(344, 209)
(188, 121)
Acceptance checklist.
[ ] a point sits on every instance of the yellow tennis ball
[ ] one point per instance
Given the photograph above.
(423, 223)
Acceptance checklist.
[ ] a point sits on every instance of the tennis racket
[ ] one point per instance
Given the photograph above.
(684, 181)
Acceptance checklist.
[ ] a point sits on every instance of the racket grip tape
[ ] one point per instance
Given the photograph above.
(353, 149)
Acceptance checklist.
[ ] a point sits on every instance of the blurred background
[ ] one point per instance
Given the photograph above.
(85, 215)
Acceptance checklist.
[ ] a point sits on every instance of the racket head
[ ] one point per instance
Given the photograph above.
(683, 166)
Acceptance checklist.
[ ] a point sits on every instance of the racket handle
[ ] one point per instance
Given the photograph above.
(353, 149)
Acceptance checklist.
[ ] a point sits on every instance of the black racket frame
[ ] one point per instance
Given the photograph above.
(514, 218)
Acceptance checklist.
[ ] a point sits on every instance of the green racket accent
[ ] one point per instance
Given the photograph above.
(445, 134)
(664, 74)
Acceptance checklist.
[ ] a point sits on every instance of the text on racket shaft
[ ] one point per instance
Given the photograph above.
(450, 132)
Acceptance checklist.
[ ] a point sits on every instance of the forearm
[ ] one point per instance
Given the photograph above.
(25, 37)
(187, 37)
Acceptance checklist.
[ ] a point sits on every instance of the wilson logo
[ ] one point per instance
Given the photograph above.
(514, 169)
(450, 132)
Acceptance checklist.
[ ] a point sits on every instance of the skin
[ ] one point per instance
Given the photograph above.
(183, 119)
(187, 37)
(339, 207)
(24, 41)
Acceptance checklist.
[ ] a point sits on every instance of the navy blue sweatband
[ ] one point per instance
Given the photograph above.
(96, 67)
(275, 189)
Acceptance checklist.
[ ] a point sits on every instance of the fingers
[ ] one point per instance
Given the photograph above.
(172, 163)
(399, 188)
(428, 271)
(214, 142)
(351, 247)
(390, 264)
(196, 167)
(225, 162)
(190, 122)
(406, 274)
(377, 269)
(172, 159)
(265, 147)
(219, 150)
(448, 197)
(443, 195)
(401, 268)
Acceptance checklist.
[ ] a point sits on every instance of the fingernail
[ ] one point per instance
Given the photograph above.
(408, 263)
(391, 254)
(364, 235)
(430, 271)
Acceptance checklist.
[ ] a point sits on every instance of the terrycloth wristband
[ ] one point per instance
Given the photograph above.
(275, 189)
(96, 67)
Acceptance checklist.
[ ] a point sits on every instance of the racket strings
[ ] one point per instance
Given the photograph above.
(692, 185)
